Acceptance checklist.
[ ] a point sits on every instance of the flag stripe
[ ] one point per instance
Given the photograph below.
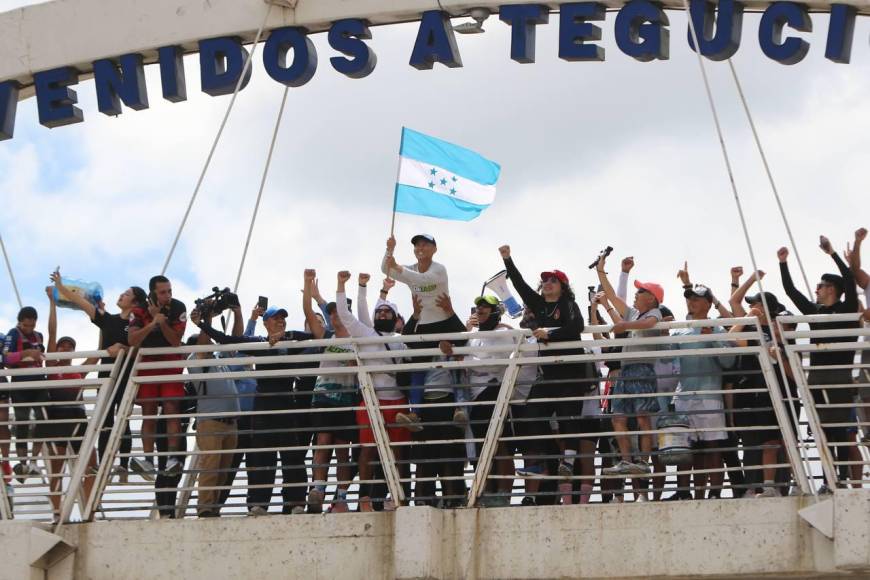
(420, 201)
(453, 158)
(440, 181)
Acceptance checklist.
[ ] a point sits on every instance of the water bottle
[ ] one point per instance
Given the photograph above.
(90, 291)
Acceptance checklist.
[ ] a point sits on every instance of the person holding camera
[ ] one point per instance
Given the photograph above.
(557, 318)
(160, 324)
(283, 431)
(635, 378)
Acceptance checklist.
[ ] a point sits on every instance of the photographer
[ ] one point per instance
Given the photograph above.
(215, 433)
(554, 308)
(159, 325)
(281, 431)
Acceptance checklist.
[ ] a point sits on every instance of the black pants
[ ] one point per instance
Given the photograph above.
(166, 499)
(567, 413)
(106, 431)
(836, 415)
(276, 431)
(24, 412)
(441, 461)
(245, 441)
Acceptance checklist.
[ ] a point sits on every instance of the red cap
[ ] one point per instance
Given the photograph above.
(652, 288)
(558, 274)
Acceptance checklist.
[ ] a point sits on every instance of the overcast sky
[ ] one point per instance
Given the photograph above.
(618, 153)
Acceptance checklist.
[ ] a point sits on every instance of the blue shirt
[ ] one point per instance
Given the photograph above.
(702, 373)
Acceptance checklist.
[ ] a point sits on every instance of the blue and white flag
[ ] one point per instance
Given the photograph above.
(442, 180)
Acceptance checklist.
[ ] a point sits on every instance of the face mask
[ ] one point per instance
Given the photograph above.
(491, 322)
(382, 325)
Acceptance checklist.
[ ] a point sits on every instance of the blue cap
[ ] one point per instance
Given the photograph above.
(274, 311)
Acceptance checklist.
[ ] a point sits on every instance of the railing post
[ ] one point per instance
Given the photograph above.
(89, 441)
(813, 417)
(5, 502)
(124, 409)
(496, 425)
(379, 431)
(795, 456)
(187, 482)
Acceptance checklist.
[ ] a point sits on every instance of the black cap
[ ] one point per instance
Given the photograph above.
(700, 291)
(834, 280)
(423, 238)
(26, 313)
(773, 304)
(68, 339)
(666, 312)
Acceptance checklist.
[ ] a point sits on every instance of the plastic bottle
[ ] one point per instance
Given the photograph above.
(90, 291)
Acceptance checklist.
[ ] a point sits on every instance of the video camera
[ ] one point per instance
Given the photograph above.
(215, 303)
(602, 254)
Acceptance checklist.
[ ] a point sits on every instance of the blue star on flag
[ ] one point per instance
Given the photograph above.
(431, 185)
(443, 182)
(433, 171)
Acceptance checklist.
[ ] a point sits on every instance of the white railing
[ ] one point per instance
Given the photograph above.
(447, 462)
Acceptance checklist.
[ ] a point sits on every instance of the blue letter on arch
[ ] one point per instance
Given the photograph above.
(221, 63)
(346, 36)
(126, 84)
(792, 50)
(304, 56)
(435, 42)
(8, 107)
(640, 31)
(722, 44)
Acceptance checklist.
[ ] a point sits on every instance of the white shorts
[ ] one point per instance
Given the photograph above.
(703, 414)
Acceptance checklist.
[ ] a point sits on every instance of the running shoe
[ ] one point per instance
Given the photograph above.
(410, 421)
(460, 417)
(768, 492)
(622, 468)
(566, 469)
(174, 467)
(530, 471)
(121, 472)
(143, 467)
(258, 510)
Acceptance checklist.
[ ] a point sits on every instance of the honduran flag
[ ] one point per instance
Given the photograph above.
(442, 180)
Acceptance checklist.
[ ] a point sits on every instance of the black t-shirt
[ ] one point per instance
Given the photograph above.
(114, 330)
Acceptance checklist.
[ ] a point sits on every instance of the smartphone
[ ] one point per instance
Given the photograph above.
(263, 303)
(474, 309)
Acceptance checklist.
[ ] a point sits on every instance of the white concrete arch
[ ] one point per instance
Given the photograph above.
(77, 32)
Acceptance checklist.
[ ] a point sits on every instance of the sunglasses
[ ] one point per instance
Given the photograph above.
(642, 291)
(550, 279)
(821, 285)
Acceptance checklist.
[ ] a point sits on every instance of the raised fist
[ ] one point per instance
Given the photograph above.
(364, 279)
(391, 244)
(782, 254)
(627, 264)
(343, 276)
(825, 245)
(860, 234)
(310, 275)
(388, 285)
(505, 251)
(737, 272)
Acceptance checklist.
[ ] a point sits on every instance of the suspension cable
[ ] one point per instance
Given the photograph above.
(727, 159)
(764, 162)
(217, 138)
(262, 186)
(11, 275)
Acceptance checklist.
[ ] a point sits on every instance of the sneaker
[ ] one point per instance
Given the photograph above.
(315, 497)
(410, 421)
(208, 514)
(622, 468)
(174, 467)
(825, 490)
(679, 496)
(21, 470)
(768, 492)
(389, 506)
(530, 471)
(566, 469)
(121, 472)
(143, 467)
(297, 510)
(34, 471)
(258, 510)
(865, 440)
(459, 416)
(529, 500)
(640, 467)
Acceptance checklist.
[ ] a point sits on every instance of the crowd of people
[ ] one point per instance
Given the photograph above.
(561, 415)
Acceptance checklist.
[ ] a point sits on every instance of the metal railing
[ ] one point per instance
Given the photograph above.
(502, 420)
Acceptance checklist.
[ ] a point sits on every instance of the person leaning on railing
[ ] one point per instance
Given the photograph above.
(23, 348)
(113, 338)
(829, 291)
(863, 280)
(273, 430)
(558, 319)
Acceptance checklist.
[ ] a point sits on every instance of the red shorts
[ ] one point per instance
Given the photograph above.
(159, 390)
(396, 434)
